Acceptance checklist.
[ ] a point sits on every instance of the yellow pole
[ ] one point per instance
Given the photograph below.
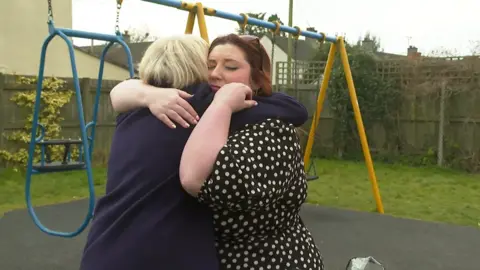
(202, 24)
(320, 100)
(190, 22)
(359, 121)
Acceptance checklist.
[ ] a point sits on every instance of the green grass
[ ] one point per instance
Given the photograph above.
(430, 194)
(47, 188)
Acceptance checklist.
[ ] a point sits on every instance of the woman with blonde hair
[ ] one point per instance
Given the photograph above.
(147, 220)
(144, 221)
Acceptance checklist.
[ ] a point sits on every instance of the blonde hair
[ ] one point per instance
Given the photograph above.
(178, 61)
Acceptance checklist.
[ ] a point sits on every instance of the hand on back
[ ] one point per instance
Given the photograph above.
(237, 96)
(169, 104)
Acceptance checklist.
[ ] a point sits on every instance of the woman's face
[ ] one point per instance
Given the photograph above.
(226, 64)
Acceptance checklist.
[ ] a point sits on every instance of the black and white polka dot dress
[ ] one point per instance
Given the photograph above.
(256, 190)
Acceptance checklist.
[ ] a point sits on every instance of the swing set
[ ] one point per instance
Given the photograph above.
(86, 143)
(87, 130)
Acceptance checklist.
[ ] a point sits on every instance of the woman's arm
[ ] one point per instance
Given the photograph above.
(166, 104)
(210, 135)
(202, 148)
(130, 94)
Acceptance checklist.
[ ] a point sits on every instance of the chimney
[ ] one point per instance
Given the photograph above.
(412, 52)
(368, 44)
(312, 29)
(3, 69)
(126, 37)
(312, 42)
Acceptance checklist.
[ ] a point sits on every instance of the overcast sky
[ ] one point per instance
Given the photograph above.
(427, 24)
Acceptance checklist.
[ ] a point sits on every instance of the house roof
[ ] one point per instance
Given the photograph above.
(306, 49)
(116, 54)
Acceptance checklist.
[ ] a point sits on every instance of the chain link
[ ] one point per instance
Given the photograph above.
(273, 51)
(50, 11)
(295, 67)
(117, 21)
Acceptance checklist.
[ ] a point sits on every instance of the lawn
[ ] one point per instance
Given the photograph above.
(47, 188)
(421, 193)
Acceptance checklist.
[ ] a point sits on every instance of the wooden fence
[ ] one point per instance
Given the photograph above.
(440, 102)
(13, 117)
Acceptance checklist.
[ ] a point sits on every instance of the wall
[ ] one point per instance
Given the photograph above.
(23, 29)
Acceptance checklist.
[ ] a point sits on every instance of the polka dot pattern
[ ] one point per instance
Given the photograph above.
(256, 190)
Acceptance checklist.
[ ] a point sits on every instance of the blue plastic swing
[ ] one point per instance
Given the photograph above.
(86, 142)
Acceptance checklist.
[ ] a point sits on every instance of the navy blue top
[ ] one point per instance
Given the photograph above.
(146, 220)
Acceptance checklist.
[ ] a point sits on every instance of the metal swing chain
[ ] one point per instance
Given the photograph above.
(274, 38)
(296, 36)
(242, 30)
(50, 11)
(117, 20)
(275, 32)
(273, 55)
(295, 67)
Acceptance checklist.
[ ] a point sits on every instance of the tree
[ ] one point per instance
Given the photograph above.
(367, 43)
(258, 30)
(276, 18)
(137, 35)
(379, 98)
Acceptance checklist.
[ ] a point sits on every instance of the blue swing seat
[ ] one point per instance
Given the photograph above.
(46, 165)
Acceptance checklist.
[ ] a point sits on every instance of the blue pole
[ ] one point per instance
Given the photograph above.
(87, 35)
(93, 123)
(33, 139)
(239, 18)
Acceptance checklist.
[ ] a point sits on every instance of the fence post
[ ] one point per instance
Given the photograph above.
(85, 86)
(3, 111)
(441, 124)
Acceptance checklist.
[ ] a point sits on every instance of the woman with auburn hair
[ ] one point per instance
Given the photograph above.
(250, 175)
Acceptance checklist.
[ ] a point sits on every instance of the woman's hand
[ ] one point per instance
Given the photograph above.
(166, 104)
(169, 104)
(237, 96)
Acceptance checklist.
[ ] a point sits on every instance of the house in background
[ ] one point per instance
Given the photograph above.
(369, 46)
(116, 54)
(23, 31)
(306, 51)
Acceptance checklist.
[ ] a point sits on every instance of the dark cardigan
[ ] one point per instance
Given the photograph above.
(146, 220)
